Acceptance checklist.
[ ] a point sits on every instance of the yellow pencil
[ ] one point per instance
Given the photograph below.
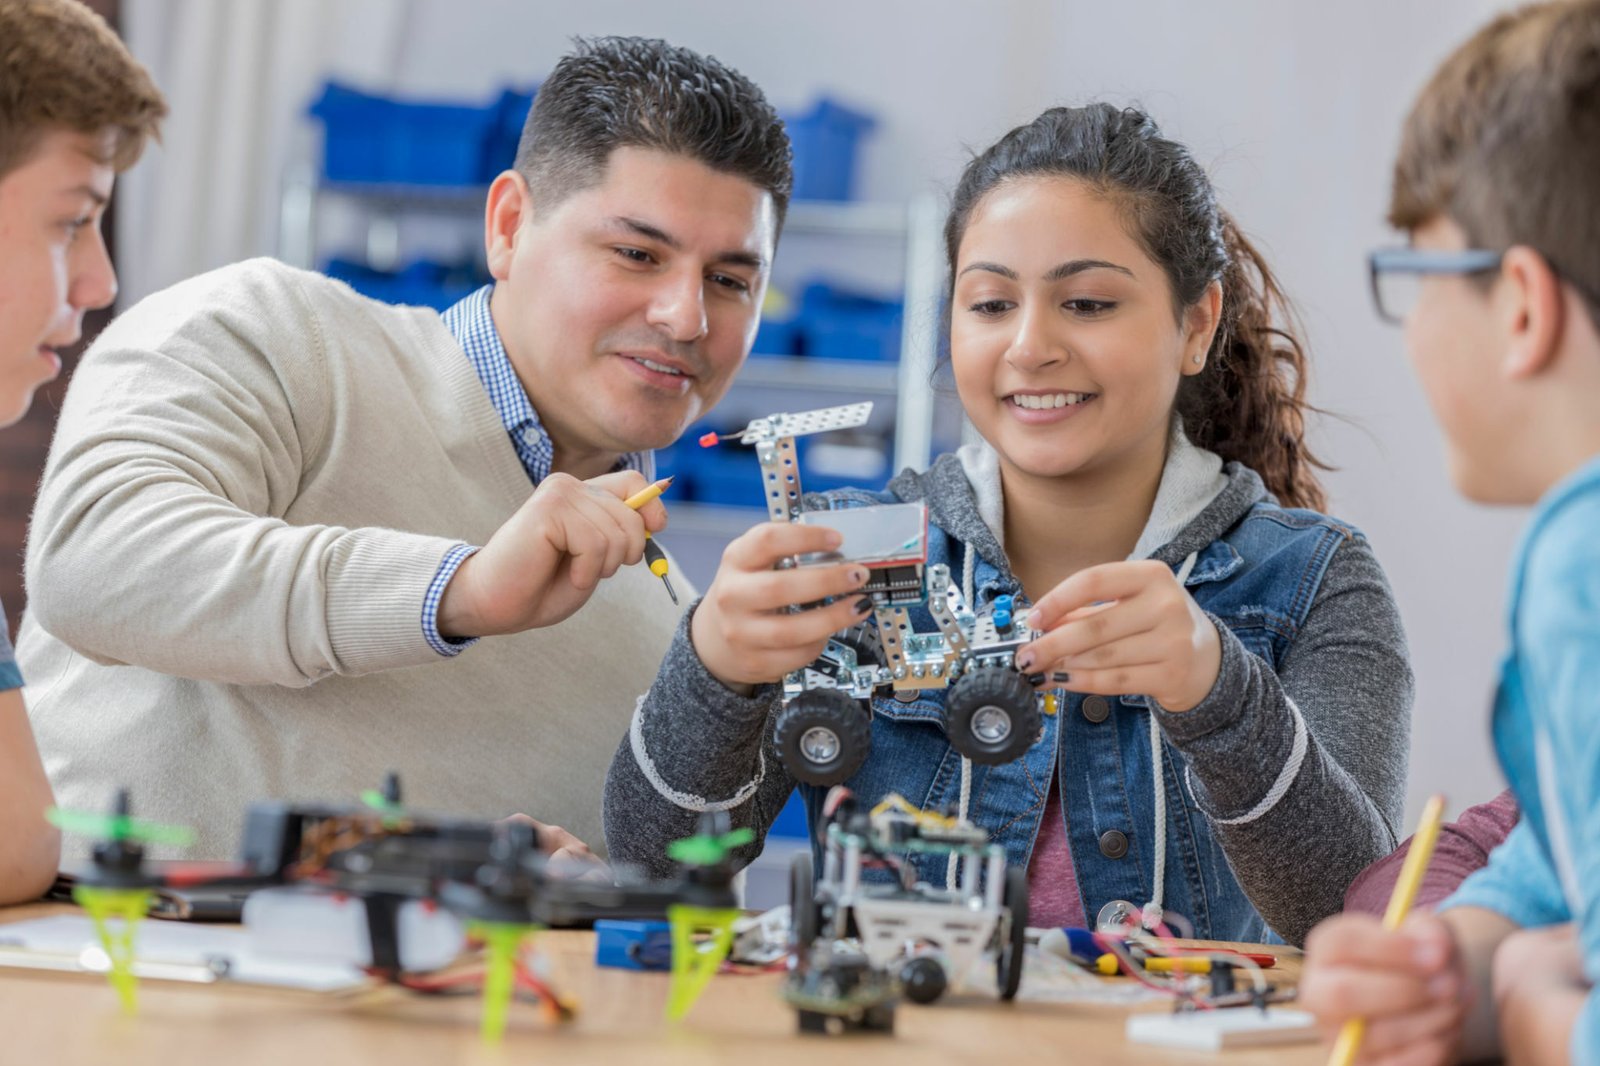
(1405, 893)
(652, 551)
(648, 493)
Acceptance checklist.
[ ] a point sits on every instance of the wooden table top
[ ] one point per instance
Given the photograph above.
(74, 1018)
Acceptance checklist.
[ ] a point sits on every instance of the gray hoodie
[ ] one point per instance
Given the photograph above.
(1299, 771)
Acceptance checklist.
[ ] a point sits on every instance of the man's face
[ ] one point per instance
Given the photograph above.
(628, 307)
(53, 261)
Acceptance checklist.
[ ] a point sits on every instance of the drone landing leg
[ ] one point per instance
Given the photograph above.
(130, 905)
(695, 962)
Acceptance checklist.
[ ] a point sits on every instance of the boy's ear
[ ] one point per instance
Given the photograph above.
(1533, 312)
(509, 199)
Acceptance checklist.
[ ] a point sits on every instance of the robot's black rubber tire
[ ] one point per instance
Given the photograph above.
(1008, 960)
(878, 1019)
(805, 917)
(813, 1021)
(864, 640)
(983, 699)
(823, 713)
(922, 979)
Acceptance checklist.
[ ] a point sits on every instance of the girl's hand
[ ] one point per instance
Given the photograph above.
(1125, 627)
(743, 629)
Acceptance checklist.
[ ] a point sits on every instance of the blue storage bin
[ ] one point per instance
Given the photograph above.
(511, 114)
(421, 284)
(778, 337)
(678, 462)
(791, 821)
(867, 465)
(825, 140)
(839, 324)
(729, 474)
(376, 139)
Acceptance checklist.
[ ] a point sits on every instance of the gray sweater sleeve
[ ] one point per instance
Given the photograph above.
(692, 746)
(1302, 772)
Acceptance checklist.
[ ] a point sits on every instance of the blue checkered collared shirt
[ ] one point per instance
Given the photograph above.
(473, 327)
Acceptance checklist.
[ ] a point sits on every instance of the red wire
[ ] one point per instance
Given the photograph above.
(836, 795)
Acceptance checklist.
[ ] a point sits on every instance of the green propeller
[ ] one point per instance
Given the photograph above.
(119, 827)
(379, 802)
(708, 849)
(386, 800)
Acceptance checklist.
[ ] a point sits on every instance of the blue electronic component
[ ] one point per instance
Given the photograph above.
(633, 945)
(1002, 613)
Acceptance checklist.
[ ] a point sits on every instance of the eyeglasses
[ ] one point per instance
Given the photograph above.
(1397, 274)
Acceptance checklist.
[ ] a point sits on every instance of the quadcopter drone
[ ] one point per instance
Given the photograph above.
(491, 876)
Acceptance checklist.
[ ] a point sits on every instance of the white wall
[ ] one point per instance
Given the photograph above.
(1295, 107)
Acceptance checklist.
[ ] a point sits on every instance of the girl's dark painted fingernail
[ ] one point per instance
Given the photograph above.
(863, 605)
(1036, 680)
(1025, 662)
(1060, 678)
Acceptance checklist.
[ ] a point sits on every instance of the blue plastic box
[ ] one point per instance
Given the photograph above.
(839, 324)
(376, 139)
(421, 284)
(730, 475)
(791, 821)
(511, 114)
(869, 468)
(779, 337)
(633, 945)
(825, 140)
(678, 462)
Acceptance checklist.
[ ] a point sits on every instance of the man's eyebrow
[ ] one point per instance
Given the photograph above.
(732, 257)
(647, 231)
(1078, 266)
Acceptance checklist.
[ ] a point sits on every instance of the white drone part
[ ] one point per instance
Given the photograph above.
(822, 420)
(310, 925)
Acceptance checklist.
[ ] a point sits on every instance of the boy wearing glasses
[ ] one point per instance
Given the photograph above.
(1497, 186)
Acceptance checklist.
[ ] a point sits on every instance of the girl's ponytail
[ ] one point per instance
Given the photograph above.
(1249, 403)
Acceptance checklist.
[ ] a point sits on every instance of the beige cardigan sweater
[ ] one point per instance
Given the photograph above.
(254, 479)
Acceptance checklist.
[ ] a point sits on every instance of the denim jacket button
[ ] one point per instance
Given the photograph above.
(1095, 708)
(1113, 843)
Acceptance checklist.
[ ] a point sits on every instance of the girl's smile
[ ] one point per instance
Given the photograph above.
(1037, 408)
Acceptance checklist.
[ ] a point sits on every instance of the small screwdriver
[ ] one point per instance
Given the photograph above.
(654, 556)
(658, 565)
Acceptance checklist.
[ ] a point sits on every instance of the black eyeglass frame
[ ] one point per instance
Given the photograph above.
(1423, 261)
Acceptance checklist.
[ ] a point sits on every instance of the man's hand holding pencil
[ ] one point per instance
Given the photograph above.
(548, 558)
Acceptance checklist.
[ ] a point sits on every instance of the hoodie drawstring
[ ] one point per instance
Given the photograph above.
(1153, 913)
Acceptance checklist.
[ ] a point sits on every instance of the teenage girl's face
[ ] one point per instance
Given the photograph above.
(1066, 350)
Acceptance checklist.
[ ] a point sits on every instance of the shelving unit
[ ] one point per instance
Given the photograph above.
(700, 531)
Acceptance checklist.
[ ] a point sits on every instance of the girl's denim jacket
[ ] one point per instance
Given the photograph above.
(1279, 787)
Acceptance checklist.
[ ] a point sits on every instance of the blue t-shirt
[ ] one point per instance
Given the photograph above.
(10, 676)
(1548, 870)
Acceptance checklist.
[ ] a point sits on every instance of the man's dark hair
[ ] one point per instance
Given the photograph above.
(635, 92)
